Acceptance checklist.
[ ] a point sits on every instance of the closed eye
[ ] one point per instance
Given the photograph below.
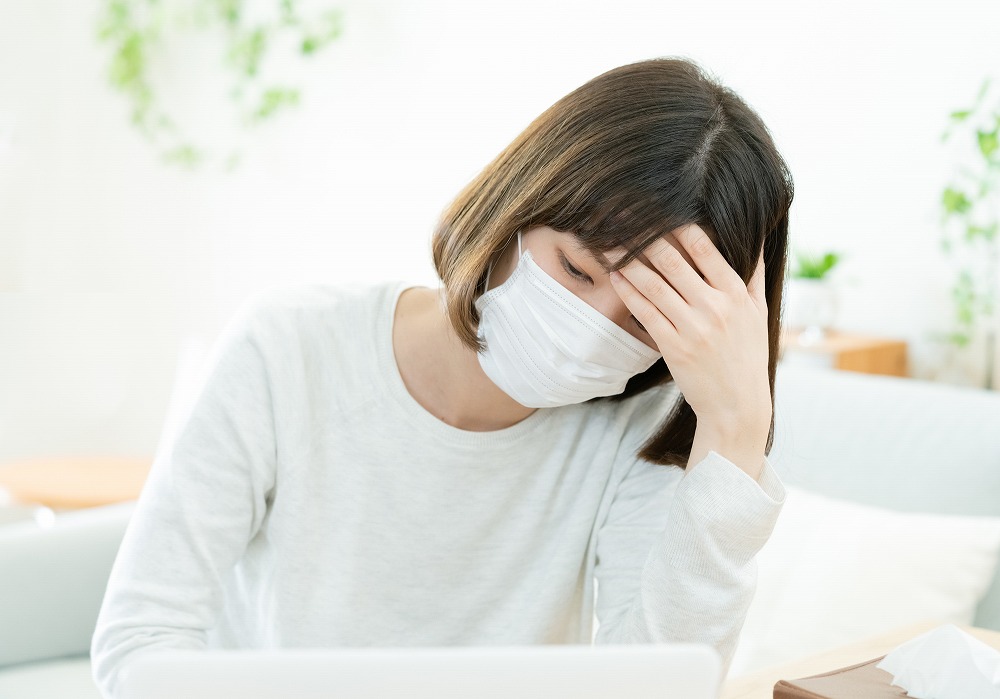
(573, 271)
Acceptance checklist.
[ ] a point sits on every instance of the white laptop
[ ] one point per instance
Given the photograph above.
(642, 671)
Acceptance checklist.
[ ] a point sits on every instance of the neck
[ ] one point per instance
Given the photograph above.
(441, 373)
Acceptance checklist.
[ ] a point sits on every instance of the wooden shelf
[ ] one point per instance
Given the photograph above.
(848, 351)
(74, 482)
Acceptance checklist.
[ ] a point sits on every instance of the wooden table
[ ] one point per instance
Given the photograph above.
(849, 352)
(67, 483)
(760, 684)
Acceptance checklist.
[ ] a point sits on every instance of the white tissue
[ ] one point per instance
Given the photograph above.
(945, 663)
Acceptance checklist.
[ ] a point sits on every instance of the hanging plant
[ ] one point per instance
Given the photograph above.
(137, 33)
(970, 219)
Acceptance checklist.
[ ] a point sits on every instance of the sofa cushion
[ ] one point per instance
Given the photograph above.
(834, 572)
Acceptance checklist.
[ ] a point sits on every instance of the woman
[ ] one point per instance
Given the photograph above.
(585, 403)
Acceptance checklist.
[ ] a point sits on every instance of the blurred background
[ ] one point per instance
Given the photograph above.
(123, 254)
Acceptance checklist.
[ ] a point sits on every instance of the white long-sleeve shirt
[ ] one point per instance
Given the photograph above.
(308, 500)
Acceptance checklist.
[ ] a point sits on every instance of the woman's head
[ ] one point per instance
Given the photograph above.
(628, 157)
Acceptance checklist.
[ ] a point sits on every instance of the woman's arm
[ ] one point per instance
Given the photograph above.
(689, 571)
(205, 498)
(676, 553)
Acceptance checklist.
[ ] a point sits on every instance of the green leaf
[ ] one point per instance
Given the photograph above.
(129, 62)
(246, 51)
(115, 20)
(229, 10)
(958, 338)
(810, 267)
(186, 155)
(987, 142)
(972, 231)
(274, 99)
(955, 201)
(982, 90)
(964, 295)
(329, 28)
(289, 17)
(987, 232)
(961, 115)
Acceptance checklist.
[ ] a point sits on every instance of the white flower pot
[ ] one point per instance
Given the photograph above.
(810, 305)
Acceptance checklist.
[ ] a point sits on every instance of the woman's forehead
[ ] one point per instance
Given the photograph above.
(602, 258)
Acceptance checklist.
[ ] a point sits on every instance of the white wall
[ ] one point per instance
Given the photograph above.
(109, 259)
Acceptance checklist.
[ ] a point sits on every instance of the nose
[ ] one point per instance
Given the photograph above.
(610, 305)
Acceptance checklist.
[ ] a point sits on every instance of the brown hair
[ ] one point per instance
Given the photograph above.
(635, 153)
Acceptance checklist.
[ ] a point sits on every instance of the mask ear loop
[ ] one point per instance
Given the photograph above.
(489, 267)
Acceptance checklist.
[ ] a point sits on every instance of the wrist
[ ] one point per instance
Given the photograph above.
(741, 442)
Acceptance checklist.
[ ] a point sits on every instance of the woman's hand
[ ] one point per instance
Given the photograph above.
(711, 331)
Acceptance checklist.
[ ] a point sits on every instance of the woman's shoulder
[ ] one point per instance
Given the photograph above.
(302, 309)
(289, 299)
(284, 321)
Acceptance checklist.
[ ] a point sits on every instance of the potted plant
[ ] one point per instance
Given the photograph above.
(811, 298)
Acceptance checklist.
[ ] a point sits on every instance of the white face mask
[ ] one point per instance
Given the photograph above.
(546, 347)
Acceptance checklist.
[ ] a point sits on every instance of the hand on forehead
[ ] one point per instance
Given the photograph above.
(691, 232)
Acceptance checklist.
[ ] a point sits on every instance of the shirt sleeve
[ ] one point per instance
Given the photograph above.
(203, 501)
(676, 553)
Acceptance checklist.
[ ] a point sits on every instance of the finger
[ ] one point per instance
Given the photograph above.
(669, 261)
(707, 258)
(656, 290)
(756, 284)
(657, 325)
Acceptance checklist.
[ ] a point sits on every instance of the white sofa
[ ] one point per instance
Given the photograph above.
(53, 580)
(897, 445)
(892, 515)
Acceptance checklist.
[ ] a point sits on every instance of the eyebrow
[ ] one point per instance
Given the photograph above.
(606, 266)
(602, 260)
